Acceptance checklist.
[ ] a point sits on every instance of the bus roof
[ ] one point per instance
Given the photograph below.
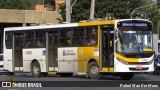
(91, 23)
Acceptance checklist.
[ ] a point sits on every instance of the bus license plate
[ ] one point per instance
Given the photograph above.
(139, 68)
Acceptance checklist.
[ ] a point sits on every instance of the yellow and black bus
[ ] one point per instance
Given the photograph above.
(120, 47)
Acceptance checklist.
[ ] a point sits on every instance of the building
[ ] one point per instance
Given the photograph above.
(58, 3)
(14, 18)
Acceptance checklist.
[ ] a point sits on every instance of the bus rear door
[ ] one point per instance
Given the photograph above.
(17, 51)
(52, 44)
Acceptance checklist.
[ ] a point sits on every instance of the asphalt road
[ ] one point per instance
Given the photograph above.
(28, 77)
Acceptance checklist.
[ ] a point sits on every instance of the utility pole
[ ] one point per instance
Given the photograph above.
(135, 10)
(158, 27)
(68, 11)
(92, 9)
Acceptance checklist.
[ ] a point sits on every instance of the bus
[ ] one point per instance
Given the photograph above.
(115, 47)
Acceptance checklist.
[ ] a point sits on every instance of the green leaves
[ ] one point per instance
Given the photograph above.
(121, 8)
(19, 4)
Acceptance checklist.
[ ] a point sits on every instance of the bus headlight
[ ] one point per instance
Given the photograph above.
(150, 62)
(122, 61)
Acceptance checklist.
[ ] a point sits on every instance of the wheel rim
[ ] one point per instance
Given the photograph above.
(36, 69)
(94, 70)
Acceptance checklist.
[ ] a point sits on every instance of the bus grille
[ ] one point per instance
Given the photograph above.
(138, 63)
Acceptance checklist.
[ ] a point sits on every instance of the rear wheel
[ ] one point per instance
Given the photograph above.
(35, 69)
(93, 71)
(126, 76)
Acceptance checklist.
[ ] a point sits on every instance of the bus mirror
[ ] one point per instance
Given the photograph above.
(116, 34)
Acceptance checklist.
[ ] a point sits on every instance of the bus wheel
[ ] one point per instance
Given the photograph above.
(35, 68)
(65, 74)
(126, 76)
(93, 71)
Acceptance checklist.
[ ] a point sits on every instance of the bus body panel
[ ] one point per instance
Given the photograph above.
(84, 55)
(67, 59)
(34, 54)
(8, 61)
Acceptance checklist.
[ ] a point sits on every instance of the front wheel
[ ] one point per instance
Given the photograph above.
(35, 69)
(93, 71)
(126, 76)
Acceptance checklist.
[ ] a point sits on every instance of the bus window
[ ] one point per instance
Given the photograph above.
(78, 37)
(39, 39)
(65, 39)
(8, 40)
(91, 36)
(29, 41)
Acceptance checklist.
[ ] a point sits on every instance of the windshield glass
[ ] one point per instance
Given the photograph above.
(133, 41)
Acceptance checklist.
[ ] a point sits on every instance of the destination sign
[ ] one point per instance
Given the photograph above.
(134, 24)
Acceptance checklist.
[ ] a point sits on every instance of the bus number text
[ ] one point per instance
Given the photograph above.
(28, 52)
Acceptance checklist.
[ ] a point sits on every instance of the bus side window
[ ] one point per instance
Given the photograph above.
(91, 37)
(39, 39)
(8, 40)
(28, 39)
(65, 38)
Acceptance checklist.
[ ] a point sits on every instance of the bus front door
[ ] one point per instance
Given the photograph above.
(107, 49)
(51, 45)
(17, 52)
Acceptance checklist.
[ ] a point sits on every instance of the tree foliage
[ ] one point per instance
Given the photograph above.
(14, 4)
(19, 4)
(121, 8)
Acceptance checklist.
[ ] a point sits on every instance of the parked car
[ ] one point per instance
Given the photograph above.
(157, 65)
(1, 60)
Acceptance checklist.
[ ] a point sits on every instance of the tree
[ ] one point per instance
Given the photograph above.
(121, 8)
(14, 4)
(19, 4)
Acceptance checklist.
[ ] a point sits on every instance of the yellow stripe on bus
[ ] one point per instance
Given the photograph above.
(52, 72)
(148, 49)
(111, 69)
(127, 59)
(95, 23)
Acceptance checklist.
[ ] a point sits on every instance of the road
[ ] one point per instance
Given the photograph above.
(80, 78)
(28, 77)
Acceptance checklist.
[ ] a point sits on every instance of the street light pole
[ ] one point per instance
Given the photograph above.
(92, 9)
(139, 8)
(69, 10)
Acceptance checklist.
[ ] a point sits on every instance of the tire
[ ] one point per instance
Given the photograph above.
(35, 69)
(157, 72)
(65, 74)
(93, 71)
(126, 76)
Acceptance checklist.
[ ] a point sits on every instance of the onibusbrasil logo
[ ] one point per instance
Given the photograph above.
(20, 84)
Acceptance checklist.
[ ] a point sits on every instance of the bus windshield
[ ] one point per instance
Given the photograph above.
(133, 40)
